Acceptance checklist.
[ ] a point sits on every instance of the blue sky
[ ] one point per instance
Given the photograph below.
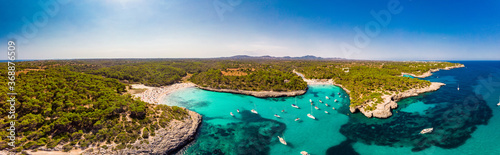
(416, 30)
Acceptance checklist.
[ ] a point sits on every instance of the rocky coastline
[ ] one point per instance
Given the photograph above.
(429, 73)
(383, 110)
(260, 94)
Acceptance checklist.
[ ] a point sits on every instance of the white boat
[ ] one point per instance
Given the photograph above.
(276, 115)
(295, 106)
(304, 153)
(238, 110)
(498, 101)
(253, 111)
(316, 107)
(320, 101)
(231, 114)
(297, 119)
(282, 140)
(327, 97)
(326, 104)
(326, 112)
(338, 93)
(426, 130)
(310, 100)
(458, 88)
(333, 108)
(335, 100)
(311, 116)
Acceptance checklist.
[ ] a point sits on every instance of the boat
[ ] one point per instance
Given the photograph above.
(253, 111)
(238, 110)
(231, 114)
(426, 130)
(338, 93)
(326, 104)
(458, 88)
(333, 108)
(310, 100)
(316, 107)
(335, 100)
(320, 101)
(326, 97)
(295, 106)
(498, 101)
(310, 114)
(282, 140)
(304, 153)
(276, 115)
(326, 112)
(297, 119)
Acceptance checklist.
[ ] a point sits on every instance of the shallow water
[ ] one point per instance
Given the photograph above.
(465, 121)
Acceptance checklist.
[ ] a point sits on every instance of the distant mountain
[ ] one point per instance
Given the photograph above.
(307, 57)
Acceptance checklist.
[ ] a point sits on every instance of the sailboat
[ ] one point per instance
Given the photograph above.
(310, 115)
(498, 101)
(231, 114)
(327, 97)
(238, 110)
(310, 100)
(276, 115)
(282, 140)
(295, 106)
(326, 104)
(458, 88)
(320, 101)
(326, 112)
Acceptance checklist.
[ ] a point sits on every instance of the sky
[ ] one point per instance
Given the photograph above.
(354, 29)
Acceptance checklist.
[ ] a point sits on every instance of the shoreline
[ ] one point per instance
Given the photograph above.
(260, 94)
(155, 95)
(429, 73)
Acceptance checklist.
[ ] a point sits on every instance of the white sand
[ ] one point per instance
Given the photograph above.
(154, 95)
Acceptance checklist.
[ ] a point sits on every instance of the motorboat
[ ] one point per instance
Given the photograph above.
(304, 153)
(326, 112)
(326, 104)
(320, 101)
(238, 110)
(335, 100)
(316, 107)
(326, 97)
(310, 100)
(231, 114)
(276, 115)
(297, 119)
(253, 111)
(282, 140)
(295, 106)
(426, 130)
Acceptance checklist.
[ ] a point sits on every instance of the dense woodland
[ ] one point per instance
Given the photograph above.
(79, 103)
(57, 106)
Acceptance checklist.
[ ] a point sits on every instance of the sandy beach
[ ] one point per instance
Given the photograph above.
(154, 95)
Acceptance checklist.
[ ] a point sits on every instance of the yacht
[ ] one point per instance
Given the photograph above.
(458, 87)
(333, 108)
(304, 153)
(316, 107)
(282, 140)
(238, 110)
(320, 101)
(297, 119)
(498, 101)
(295, 106)
(335, 100)
(276, 115)
(326, 104)
(426, 130)
(310, 100)
(231, 114)
(327, 97)
(253, 111)
(326, 112)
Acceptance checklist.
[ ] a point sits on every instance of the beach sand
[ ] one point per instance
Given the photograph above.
(154, 95)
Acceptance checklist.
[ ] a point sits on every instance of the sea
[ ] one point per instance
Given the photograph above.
(463, 113)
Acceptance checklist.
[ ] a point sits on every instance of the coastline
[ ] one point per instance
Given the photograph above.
(383, 110)
(429, 73)
(260, 94)
(155, 95)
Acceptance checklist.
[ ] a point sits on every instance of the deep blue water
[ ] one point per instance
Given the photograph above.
(465, 121)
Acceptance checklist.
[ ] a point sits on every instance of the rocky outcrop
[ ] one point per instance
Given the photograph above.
(383, 110)
(260, 94)
(166, 140)
(429, 73)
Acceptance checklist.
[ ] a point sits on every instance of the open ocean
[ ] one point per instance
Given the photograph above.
(465, 121)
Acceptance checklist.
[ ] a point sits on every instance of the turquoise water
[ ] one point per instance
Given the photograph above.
(465, 121)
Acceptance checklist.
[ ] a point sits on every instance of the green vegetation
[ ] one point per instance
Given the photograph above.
(368, 80)
(57, 106)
